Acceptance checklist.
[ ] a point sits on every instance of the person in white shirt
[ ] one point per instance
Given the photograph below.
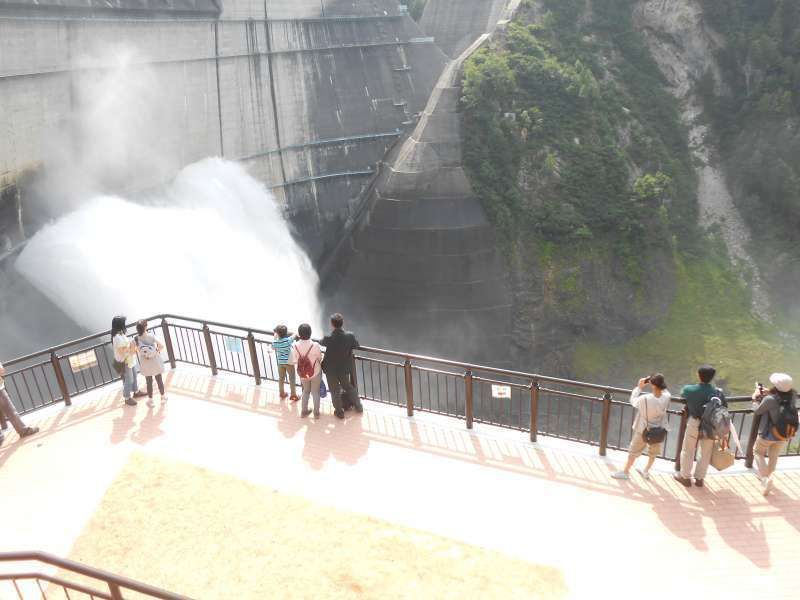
(651, 413)
(125, 352)
(9, 412)
(306, 354)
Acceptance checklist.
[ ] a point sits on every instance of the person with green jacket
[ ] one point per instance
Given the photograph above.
(697, 396)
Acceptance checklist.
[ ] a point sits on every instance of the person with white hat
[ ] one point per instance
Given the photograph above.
(777, 408)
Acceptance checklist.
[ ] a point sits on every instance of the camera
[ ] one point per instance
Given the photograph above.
(647, 379)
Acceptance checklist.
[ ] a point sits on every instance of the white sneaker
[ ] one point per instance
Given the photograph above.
(645, 474)
(163, 399)
(150, 403)
(620, 475)
(767, 484)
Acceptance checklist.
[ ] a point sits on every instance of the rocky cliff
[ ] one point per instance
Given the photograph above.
(589, 142)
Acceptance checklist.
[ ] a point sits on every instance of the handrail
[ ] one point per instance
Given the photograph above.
(394, 353)
(115, 582)
(455, 388)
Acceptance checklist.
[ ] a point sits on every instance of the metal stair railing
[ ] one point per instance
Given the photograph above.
(116, 585)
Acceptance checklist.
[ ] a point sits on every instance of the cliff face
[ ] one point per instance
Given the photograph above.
(593, 146)
(573, 168)
(685, 49)
(736, 71)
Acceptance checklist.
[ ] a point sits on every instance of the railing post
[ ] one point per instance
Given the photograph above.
(62, 383)
(354, 376)
(534, 425)
(251, 344)
(681, 435)
(409, 387)
(604, 423)
(751, 441)
(168, 342)
(212, 361)
(468, 396)
(113, 589)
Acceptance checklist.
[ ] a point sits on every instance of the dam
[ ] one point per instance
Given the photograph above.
(317, 99)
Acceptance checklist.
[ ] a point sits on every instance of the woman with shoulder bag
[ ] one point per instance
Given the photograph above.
(149, 350)
(125, 360)
(650, 425)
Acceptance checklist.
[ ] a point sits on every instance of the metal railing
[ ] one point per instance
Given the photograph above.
(115, 587)
(583, 412)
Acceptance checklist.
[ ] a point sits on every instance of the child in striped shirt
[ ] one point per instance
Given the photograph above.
(282, 344)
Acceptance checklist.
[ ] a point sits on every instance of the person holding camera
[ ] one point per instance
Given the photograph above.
(777, 408)
(650, 424)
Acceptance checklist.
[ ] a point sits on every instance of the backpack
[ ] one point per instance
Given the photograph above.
(305, 368)
(716, 420)
(786, 426)
(148, 351)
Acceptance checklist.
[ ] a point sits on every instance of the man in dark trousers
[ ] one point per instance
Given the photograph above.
(338, 365)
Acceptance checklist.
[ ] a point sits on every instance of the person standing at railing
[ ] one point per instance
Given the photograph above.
(125, 355)
(10, 413)
(307, 357)
(697, 396)
(338, 365)
(282, 345)
(149, 351)
(779, 423)
(650, 425)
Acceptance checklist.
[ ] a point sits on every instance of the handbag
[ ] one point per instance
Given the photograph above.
(323, 389)
(652, 435)
(119, 367)
(721, 459)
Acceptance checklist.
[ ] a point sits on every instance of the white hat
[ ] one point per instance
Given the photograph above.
(781, 381)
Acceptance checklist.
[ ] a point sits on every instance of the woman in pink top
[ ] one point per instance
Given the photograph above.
(307, 356)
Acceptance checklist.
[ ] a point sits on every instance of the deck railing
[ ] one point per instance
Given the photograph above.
(583, 412)
(24, 583)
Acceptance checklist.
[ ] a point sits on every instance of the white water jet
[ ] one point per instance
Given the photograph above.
(213, 245)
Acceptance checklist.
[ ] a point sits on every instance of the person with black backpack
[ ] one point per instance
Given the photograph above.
(779, 424)
(698, 396)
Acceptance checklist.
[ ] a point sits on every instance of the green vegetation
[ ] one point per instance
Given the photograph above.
(552, 102)
(701, 326)
(577, 151)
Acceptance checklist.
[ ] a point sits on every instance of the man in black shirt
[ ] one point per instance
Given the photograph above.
(338, 365)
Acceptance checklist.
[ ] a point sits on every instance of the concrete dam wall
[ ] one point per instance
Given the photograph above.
(456, 24)
(328, 102)
(424, 270)
(307, 93)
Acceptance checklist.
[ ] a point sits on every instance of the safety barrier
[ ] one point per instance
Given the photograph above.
(578, 411)
(115, 587)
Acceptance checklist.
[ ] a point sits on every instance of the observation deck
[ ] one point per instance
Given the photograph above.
(226, 492)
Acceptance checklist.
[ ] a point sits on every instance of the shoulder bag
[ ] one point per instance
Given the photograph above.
(652, 435)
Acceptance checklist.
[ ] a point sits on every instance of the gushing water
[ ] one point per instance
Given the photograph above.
(212, 245)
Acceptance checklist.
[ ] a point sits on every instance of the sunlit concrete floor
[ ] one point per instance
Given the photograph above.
(488, 499)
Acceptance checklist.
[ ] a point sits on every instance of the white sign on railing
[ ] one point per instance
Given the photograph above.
(233, 344)
(84, 360)
(501, 391)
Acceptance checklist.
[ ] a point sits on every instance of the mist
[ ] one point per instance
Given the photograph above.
(135, 234)
(214, 245)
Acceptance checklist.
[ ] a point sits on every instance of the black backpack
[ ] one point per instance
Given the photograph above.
(785, 428)
(716, 420)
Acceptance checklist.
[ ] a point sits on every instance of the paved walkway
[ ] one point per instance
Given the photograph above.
(551, 503)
